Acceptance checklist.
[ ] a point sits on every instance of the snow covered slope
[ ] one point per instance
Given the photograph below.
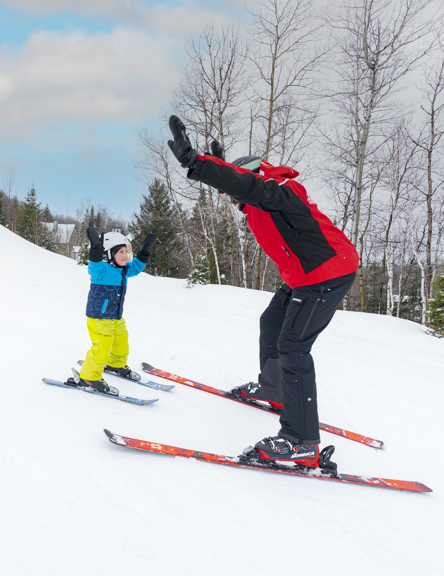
(73, 503)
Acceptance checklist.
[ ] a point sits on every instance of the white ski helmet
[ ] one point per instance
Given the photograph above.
(113, 239)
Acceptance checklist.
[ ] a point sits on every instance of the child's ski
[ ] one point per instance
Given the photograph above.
(251, 459)
(92, 391)
(153, 385)
(262, 406)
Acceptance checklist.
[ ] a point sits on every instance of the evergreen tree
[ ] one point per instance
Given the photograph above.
(83, 258)
(30, 224)
(201, 219)
(47, 215)
(157, 216)
(29, 218)
(436, 308)
(2, 210)
(87, 221)
(13, 213)
(372, 282)
(200, 272)
(411, 306)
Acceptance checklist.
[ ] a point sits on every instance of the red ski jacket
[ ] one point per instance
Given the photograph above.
(305, 244)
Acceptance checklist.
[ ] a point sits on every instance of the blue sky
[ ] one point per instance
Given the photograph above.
(78, 80)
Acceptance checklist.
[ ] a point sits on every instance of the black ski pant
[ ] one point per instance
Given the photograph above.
(288, 329)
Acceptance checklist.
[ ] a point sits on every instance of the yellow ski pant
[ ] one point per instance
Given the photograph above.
(109, 346)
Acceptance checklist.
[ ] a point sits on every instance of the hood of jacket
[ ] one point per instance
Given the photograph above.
(277, 172)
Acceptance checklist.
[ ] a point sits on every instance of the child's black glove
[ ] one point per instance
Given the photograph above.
(181, 145)
(96, 249)
(144, 253)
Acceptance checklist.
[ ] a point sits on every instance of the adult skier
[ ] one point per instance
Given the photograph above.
(318, 265)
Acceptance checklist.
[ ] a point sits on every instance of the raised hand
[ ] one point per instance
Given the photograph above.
(144, 253)
(216, 150)
(96, 249)
(181, 145)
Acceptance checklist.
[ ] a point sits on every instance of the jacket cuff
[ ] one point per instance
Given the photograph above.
(194, 173)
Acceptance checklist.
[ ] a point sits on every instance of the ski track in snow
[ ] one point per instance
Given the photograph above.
(73, 503)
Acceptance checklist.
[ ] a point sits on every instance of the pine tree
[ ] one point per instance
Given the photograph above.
(30, 224)
(2, 210)
(157, 216)
(200, 272)
(47, 215)
(436, 308)
(83, 257)
(201, 219)
(88, 220)
(13, 213)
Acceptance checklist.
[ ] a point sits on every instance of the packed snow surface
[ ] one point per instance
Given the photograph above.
(74, 503)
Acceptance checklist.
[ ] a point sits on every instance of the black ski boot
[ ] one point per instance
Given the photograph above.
(99, 385)
(255, 391)
(126, 372)
(279, 449)
(264, 455)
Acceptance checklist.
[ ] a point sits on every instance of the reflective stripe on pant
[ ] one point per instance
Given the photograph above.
(109, 346)
(289, 327)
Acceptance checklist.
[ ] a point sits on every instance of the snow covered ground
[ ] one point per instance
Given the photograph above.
(73, 503)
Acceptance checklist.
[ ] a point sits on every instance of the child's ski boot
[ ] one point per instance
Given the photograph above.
(99, 385)
(125, 372)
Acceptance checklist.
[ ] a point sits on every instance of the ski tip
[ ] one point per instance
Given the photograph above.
(379, 444)
(115, 438)
(415, 487)
(156, 386)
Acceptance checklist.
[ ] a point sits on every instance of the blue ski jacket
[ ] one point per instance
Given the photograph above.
(108, 288)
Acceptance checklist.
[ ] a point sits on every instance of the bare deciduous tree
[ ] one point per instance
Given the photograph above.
(379, 42)
(286, 53)
(431, 186)
(156, 161)
(210, 99)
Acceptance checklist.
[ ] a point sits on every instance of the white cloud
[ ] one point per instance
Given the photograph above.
(55, 80)
(187, 18)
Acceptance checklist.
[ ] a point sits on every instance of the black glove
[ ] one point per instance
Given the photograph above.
(181, 145)
(96, 249)
(144, 253)
(216, 150)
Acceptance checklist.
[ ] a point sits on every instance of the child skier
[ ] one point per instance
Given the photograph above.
(109, 269)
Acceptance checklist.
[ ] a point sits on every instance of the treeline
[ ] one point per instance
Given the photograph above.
(26, 218)
(354, 102)
(183, 250)
(29, 220)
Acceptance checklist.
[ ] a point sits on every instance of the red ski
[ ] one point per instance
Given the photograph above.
(251, 459)
(261, 405)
